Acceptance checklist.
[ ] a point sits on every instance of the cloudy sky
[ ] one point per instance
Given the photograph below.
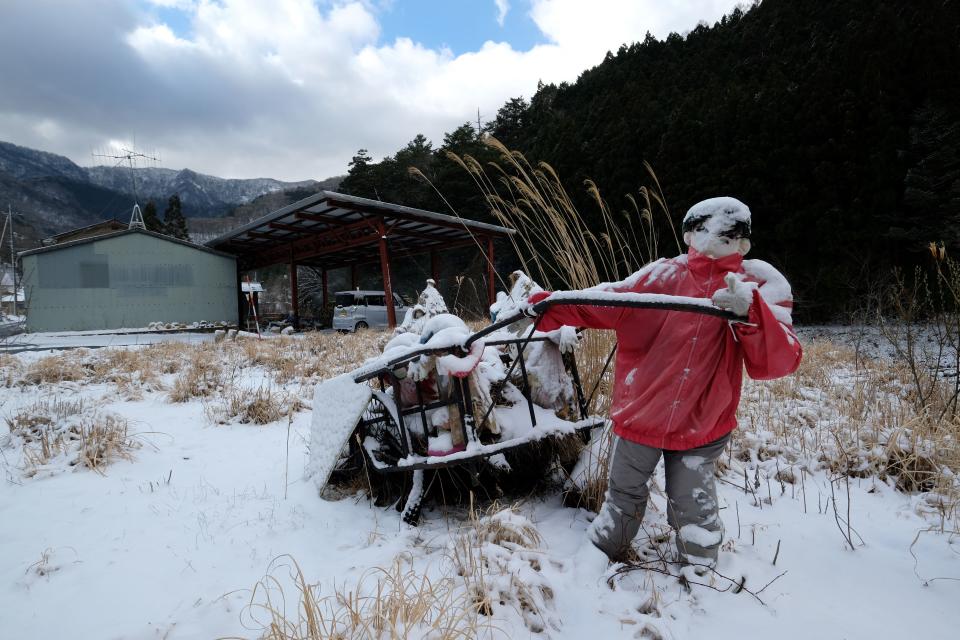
(290, 89)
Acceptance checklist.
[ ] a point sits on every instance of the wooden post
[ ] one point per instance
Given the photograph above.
(326, 295)
(491, 273)
(434, 268)
(385, 268)
(241, 302)
(294, 295)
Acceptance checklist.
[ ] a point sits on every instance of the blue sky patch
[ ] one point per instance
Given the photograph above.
(461, 26)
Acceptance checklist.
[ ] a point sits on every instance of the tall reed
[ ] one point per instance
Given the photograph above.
(560, 248)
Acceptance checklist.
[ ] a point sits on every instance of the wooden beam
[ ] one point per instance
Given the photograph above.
(405, 253)
(265, 236)
(385, 268)
(249, 243)
(326, 295)
(421, 234)
(294, 294)
(319, 217)
(330, 241)
(299, 228)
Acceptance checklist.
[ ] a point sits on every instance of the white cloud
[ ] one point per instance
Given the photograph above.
(292, 88)
(174, 4)
(503, 7)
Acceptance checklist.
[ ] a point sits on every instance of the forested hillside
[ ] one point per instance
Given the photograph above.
(838, 123)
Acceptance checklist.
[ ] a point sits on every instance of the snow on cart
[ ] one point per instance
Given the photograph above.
(479, 407)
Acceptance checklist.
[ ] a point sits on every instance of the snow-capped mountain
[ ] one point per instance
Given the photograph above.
(51, 193)
(200, 194)
(25, 163)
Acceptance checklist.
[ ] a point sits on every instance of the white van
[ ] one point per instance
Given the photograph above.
(362, 309)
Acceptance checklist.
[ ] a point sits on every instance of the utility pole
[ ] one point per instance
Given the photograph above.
(13, 261)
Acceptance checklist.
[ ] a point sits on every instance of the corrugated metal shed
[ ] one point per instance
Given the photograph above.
(127, 279)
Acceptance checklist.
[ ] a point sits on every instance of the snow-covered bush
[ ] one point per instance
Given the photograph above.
(54, 434)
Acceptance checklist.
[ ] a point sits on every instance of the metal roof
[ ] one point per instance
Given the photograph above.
(332, 230)
(115, 234)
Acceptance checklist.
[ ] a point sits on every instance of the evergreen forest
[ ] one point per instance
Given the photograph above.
(838, 123)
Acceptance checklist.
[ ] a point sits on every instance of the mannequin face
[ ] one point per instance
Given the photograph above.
(707, 238)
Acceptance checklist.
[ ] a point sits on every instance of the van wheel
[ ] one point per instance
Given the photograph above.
(361, 325)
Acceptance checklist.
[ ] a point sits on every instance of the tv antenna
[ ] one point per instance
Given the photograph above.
(131, 157)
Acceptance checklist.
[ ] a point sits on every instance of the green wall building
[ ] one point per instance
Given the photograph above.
(129, 279)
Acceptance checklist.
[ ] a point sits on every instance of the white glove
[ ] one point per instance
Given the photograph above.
(737, 297)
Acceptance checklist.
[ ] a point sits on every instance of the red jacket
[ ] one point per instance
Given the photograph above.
(678, 374)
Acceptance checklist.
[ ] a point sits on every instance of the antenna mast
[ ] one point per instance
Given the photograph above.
(131, 157)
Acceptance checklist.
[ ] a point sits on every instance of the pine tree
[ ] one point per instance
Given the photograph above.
(174, 224)
(150, 218)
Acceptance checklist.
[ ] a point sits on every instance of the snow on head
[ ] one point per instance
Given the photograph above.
(718, 227)
(723, 212)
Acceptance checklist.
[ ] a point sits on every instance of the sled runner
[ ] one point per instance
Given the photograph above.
(452, 399)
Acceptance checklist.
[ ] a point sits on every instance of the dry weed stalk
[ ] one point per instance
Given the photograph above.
(493, 563)
(852, 418)
(559, 249)
(257, 406)
(497, 556)
(65, 367)
(54, 428)
(385, 604)
(202, 377)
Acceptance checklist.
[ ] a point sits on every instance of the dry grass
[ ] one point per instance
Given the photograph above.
(492, 570)
(498, 557)
(70, 429)
(385, 604)
(560, 251)
(104, 439)
(252, 406)
(556, 246)
(202, 377)
(852, 418)
(65, 367)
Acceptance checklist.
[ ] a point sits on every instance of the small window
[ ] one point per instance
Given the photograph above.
(376, 300)
(346, 300)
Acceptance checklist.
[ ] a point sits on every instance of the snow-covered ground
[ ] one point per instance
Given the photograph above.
(171, 542)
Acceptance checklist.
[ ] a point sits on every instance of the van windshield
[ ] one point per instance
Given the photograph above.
(345, 299)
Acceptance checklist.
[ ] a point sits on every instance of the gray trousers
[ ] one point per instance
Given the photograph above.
(692, 507)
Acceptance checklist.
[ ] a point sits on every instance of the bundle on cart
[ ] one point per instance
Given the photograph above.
(449, 414)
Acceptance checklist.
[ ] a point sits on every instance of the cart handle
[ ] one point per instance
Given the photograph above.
(636, 301)
(629, 300)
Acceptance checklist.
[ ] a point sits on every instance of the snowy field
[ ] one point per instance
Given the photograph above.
(143, 498)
